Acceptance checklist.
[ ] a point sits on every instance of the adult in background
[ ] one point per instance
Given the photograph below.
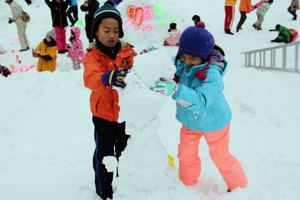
(245, 5)
(229, 15)
(16, 11)
(59, 22)
(73, 9)
(89, 7)
(293, 8)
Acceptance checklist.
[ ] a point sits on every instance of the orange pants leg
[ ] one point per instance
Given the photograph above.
(229, 167)
(189, 161)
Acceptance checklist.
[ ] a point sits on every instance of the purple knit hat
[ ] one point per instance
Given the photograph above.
(196, 41)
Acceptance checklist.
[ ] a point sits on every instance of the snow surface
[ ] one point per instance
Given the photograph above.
(46, 131)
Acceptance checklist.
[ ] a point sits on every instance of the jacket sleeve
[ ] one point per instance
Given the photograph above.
(204, 95)
(16, 12)
(92, 72)
(38, 48)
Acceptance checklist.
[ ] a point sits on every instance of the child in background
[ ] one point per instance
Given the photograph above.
(261, 11)
(196, 19)
(76, 51)
(173, 37)
(46, 52)
(284, 34)
(4, 71)
(202, 108)
(106, 64)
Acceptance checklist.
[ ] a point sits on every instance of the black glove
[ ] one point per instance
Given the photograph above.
(10, 20)
(28, 2)
(254, 6)
(272, 30)
(46, 57)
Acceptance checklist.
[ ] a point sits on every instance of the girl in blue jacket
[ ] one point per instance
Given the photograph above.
(201, 107)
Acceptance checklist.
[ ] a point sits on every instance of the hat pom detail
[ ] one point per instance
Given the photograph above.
(201, 25)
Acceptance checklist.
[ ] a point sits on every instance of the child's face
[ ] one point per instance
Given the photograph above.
(48, 39)
(190, 60)
(108, 32)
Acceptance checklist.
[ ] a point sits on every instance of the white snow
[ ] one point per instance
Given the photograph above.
(46, 131)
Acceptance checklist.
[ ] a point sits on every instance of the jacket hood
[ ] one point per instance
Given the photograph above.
(76, 31)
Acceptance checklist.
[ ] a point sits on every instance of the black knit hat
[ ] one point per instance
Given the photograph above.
(106, 11)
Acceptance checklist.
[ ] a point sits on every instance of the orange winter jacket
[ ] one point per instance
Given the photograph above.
(44, 49)
(104, 100)
(230, 2)
(245, 5)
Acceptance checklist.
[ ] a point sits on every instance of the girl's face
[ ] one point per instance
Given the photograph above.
(108, 32)
(190, 60)
(48, 39)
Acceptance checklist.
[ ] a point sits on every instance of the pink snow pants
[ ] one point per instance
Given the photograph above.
(60, 33)
(218, 142)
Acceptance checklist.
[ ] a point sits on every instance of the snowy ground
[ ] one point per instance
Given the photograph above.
(46, 132)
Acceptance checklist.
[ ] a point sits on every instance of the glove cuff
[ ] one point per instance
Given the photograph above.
(107, 77)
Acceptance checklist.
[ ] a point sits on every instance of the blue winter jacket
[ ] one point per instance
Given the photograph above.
(201, 105)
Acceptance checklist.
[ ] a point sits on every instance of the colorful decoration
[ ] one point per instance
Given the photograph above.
(80, 23)
(138, 15)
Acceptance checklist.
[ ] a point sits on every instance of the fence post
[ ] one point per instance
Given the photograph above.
(284, 57)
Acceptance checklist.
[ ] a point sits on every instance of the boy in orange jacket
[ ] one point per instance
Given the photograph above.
(106, 65)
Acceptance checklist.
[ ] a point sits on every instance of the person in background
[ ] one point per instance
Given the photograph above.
(106, 64)
(261, 11)
(46, 52)
(229, 15)
(59, 22)
(202, 108)
(284, 35)
(76, 51)
(16, 11)
(73, 9)
(293, 8)
(89, 7)
(173, 36)
(196, 19)
(245, 5)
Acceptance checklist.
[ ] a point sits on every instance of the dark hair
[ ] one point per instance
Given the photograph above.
(51, 43)
(277, 27)
(270, 1)
(110, 3)
(172, 27)
(196, 18)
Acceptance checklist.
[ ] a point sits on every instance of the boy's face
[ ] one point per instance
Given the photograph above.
(108, 32)
(190, 60)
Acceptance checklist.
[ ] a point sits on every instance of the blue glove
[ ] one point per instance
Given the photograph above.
(254, 6)
(165, 86)
(115, 78)
(47, 57)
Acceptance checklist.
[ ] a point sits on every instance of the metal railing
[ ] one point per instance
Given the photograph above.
(283, 57)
